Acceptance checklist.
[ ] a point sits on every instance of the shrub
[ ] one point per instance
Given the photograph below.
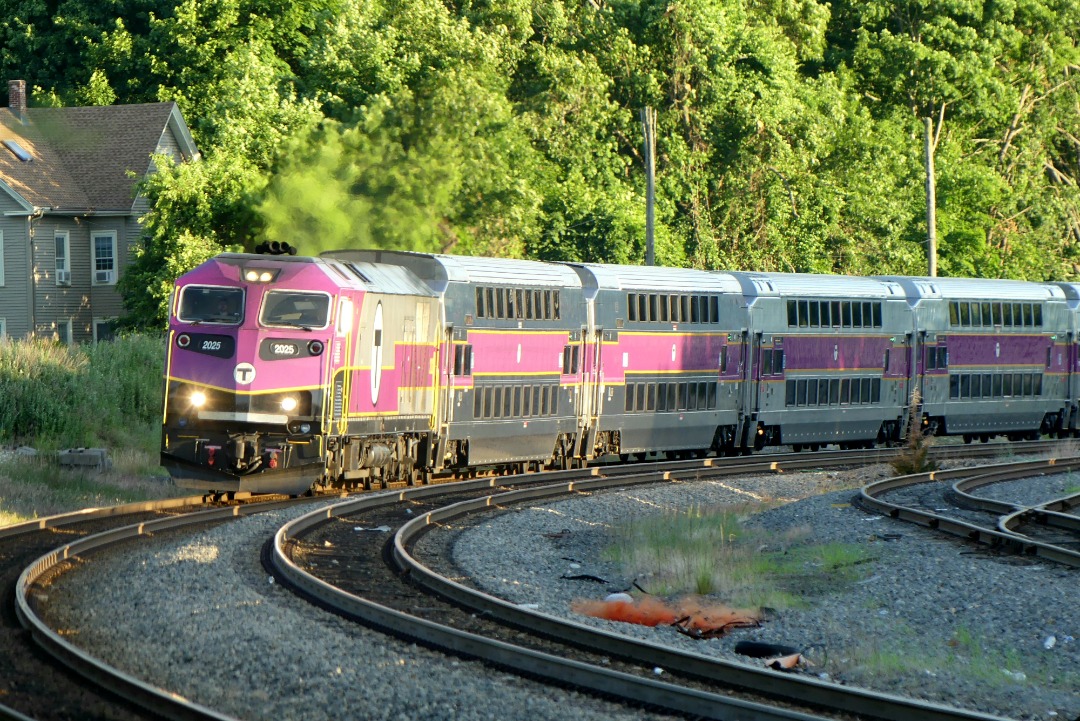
(55, 396)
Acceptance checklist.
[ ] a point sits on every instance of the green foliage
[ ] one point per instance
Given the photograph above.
(104, 394)
(790, 132)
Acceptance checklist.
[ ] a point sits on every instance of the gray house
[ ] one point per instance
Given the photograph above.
(69, 214)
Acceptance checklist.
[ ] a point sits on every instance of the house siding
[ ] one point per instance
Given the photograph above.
(15, 292)
(31, 303)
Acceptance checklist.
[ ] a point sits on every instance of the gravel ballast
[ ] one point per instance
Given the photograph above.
(929, 616)
(199, 615)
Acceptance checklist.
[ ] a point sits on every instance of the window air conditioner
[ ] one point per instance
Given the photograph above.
(103, 276)
(63, 277)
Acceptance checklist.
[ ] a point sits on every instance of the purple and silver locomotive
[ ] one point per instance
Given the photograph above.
(371, 368)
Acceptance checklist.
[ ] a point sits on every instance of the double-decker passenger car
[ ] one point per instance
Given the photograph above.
(993, 356)
(830, 359)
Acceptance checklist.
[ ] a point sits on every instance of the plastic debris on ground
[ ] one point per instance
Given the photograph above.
(688, 615)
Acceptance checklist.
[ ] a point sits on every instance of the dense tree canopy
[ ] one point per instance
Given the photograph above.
(790, 132)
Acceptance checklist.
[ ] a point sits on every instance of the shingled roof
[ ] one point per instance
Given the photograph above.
(85, 160)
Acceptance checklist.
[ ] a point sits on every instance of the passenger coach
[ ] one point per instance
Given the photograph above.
(830, 360)
(664, 361)
(993, 356)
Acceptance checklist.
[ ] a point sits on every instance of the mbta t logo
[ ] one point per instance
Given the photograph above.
(244, 374)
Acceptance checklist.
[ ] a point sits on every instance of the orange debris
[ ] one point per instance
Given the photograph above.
(689, 615)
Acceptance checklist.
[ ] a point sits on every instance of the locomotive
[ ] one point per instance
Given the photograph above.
(286, 373)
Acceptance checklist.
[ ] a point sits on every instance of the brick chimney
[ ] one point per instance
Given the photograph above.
(17, 97)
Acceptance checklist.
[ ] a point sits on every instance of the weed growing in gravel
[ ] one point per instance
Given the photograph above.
(709, 551)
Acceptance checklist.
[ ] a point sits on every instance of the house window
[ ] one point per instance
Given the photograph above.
(104, 329)
(63, 331)
(104, 244)
(63, 255)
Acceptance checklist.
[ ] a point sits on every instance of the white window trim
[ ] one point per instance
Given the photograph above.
(104, 319)
(2, 258)
(111, 234)
(67, 258)
(3, 329)
(67, 324)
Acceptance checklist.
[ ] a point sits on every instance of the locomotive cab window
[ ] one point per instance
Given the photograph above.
(208, 304)
(295, 309)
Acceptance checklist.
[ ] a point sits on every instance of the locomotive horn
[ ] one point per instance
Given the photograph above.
(274, 247)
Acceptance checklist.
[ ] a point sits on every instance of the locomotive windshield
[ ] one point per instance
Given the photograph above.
(295, 309)
(207, 304)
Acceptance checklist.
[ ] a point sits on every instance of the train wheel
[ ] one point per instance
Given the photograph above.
(967, 438)
(984, 438)
(814, 447)
(796, 448)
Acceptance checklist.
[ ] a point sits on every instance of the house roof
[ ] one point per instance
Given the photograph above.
(86, 160)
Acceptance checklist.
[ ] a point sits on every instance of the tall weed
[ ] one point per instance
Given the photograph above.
(55, 396)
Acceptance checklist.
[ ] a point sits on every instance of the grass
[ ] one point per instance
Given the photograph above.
(105, 395)
(709, 551)
(36, 487)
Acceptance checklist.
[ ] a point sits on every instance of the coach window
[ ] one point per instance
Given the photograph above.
(1038, 315)
(987, 317)
(815, 315)
(845, 314)
(463, 359)
(954, 313)
(965, 385)
(480, 308)
(1029, 320)
(804, 314)
(766, 362)
(812, 392)
(856, 315)
(976, 315)
(987, 385)
(792, 314)
(826, 315)
(877, 315)
(800, 392)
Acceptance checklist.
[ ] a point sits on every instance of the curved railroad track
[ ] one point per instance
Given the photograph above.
(982, 519)
(33, 554)
(311, 553)
(57, 554)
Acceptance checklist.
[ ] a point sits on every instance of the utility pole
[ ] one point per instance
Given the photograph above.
(648, 124)
(931, 200)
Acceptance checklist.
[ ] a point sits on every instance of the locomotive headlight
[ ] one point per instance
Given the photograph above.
(198, 399)
(288, 404)
(257, 275)
(305, 428)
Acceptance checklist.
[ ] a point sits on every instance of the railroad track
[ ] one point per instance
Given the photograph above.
(762, 693)
(1007, 520)
(61, 553)
(33, 554)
